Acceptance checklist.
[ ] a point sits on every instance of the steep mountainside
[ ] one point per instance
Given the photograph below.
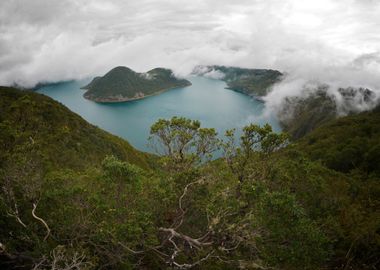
(74, 196)
(55, 136)
(123, 84)
(348, 143)
(301, 114)
(255, 82)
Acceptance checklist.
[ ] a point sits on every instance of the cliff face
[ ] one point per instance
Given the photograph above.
(123, 84)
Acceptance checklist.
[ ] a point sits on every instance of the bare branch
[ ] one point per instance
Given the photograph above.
(41, 220)
(130, 250)
(60, 259)
(40, 263)
(192, 241)
(188, 266)
(11, 202)
(232, 248)
(180, 204)
(17, 218)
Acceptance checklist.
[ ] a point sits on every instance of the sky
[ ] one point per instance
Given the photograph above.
(326, 41)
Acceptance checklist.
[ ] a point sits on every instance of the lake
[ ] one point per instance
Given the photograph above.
(205, 100)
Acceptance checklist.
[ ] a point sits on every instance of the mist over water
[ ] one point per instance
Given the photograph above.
(205, 100)
(330, 42)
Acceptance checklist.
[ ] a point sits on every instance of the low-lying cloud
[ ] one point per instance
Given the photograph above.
(327, 41)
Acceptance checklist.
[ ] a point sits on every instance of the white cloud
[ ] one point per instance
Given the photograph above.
(329, 41)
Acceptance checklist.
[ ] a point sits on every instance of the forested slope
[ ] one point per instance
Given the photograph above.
(75, 197)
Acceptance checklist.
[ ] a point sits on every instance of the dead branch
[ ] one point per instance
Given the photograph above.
(59, 259)
(12, 202)
(41, 220)
(131, 250)
(180, 206)
(40, 264)
(76, 262)
(188, 266)
(17, 218)
(194, 242)
(231, 248)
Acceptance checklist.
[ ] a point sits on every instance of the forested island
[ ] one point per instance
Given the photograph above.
(76, 197)
(123, 84)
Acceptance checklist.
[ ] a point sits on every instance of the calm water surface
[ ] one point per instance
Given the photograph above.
(206, 100)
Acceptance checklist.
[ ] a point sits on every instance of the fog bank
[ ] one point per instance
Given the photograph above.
(330, 42)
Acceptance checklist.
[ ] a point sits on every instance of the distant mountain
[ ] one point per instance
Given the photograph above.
(254, 82)
(123, 84)
(301, 114)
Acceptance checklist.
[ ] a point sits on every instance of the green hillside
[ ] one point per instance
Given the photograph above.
(348, 143)
(123, 84)
(37, 125)
(299, 115)
(255, 82)
(75, 197)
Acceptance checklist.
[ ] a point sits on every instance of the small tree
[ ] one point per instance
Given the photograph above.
(255, 142)
(183, 142)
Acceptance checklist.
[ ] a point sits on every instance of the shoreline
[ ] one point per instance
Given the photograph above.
(258, 98)
(126, 99)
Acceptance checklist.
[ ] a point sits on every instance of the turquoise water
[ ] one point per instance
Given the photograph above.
(206, 100)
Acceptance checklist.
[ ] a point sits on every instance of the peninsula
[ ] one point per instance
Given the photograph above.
(253, 82)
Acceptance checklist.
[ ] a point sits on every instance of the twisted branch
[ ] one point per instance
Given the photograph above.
(41, 220)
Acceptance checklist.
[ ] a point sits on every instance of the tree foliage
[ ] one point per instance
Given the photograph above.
(182, 141)
(266, 204)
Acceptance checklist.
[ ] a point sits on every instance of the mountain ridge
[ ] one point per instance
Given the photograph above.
(299, 115)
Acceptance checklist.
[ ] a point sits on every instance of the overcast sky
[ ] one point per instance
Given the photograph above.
(332, 41)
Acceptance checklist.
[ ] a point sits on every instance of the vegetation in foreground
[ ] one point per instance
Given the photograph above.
(75, 197)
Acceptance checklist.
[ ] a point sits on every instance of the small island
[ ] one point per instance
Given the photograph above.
(122, 84)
